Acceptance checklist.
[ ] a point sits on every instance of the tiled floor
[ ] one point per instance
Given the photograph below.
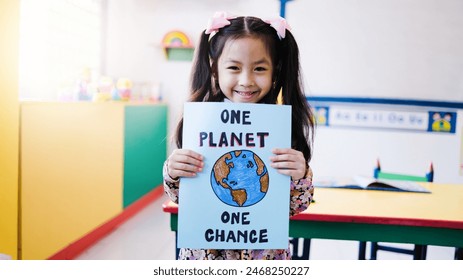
(147, 236)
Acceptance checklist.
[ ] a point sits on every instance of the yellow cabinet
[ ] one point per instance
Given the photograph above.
(81, 165)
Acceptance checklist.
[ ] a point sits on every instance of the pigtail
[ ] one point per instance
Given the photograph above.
(293, 94)
(200, 80)
(201, 70)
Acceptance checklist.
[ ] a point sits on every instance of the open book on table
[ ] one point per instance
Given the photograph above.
(370, 183)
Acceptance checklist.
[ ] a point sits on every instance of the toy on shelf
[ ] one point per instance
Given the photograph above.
(85, 87)
(105, 89)
(177, 46)
(123, 89)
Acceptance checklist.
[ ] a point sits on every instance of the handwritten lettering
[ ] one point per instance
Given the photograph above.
(235, 116)
(235, 218)
(233, 139)
(244, 236)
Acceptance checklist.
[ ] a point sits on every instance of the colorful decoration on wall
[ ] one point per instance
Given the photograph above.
(177, 46)
(322, 115)
(442, 121)
(176, 39)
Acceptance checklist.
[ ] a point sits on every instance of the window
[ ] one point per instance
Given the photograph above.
(60, 40)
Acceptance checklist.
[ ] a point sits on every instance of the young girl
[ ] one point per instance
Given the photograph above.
(246, 59)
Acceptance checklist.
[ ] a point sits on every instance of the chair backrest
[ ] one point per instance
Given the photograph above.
(378, 174)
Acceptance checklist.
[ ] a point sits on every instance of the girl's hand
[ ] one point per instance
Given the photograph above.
(184, 163)
(289, 162)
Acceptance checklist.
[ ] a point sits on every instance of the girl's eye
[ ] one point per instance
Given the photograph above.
(234, 68)
(260, 69)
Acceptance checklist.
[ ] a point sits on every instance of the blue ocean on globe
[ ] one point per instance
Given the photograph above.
(240, 178)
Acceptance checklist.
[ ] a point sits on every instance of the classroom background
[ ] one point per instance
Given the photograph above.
(91, 92)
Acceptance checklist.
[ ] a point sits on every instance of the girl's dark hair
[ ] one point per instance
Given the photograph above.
(286, 75)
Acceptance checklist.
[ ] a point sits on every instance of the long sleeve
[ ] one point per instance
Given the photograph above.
(301, 194)
(170, 185)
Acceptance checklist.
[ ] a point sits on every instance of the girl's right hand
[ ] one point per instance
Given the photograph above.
(184, 163)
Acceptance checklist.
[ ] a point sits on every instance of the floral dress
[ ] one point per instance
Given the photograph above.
(301, 194)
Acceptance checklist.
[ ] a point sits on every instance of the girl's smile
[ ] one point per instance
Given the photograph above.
(245, 70)
(246, 94)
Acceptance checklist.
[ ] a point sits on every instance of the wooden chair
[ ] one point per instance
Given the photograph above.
(419, 251)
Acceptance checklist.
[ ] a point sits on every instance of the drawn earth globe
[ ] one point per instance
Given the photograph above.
(240, 178)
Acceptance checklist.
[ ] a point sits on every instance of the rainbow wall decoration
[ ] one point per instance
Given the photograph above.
(176, 39)
(177, 46)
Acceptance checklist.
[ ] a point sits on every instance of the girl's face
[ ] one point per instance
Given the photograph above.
(245, 70)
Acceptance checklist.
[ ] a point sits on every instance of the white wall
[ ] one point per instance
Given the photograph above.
(381, 48)
(371, 48)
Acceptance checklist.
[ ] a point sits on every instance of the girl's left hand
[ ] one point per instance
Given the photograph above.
(289, 162)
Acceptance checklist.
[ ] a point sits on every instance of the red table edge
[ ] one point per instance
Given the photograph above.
(171, 207)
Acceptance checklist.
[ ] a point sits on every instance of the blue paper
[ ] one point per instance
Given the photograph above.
(238, 201)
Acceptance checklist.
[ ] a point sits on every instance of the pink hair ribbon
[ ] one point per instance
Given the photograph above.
(219, 20)
(279, 24)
